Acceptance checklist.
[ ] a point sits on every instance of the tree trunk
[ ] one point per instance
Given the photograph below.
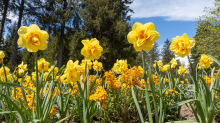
(3, 20)
(15, 48)
(60, 54)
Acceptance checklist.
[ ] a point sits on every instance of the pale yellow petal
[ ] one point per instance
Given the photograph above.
(149, 26)
(22, 30)
(185, 36)
(31, 48)
(192, 42)
(21, 42)
(137, 24)
(132, 37)
(85, 42)
(33, 27)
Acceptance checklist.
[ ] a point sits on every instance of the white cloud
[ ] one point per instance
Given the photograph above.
(12, 17)
(183, 10)
(183, 60)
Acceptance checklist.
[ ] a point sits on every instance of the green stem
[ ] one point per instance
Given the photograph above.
(38, 106)
(146, 92)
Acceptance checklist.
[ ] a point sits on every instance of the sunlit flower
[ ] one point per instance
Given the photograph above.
(2, 55)
(43, 65)
(166, 67)
(32, 38)
(97, 65)
(205, 62)
(91, 50)
(2, 73)
(22, 68)
(119, 66)
(143, 36)
(182, 71)
(53, 110)
(181, 45)
(88, 62)
(159, 63)
(173, 63)
(72, 73)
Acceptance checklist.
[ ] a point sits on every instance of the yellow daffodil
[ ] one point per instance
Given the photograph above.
(88, 62)
(45, 75)
(2, 55)
(72, 72)
(97, 65)
(32, 38)
(119, 66)
(205, 62)
(143, 36)
(2, 73)
(91, 50)
(181, 45)
(33, 74)
(43, 65)
(166, 68)
(182, 70)
(173, 63)
(22, 68)
(207, 80)
(159, 63)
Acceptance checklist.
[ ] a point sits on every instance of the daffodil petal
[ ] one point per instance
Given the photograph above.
(21, 42)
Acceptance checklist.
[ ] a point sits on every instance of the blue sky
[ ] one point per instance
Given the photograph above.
(170, 17)
(169, 29)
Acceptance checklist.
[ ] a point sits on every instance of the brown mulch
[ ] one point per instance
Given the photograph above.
(187, 114)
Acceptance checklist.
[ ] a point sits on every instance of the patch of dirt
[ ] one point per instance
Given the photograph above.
(187, 114)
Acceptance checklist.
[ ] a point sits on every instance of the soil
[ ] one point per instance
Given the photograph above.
(187, 114)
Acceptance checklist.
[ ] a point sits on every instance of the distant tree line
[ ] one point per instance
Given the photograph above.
(68, 22)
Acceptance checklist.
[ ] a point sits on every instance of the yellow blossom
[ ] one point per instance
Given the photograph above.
(56, 69)
(2, 73)
(43, 65)
(173, 63)
(91, 50)
(119, 66)
(182, 70)
(22, 68)
(143, 36)
(2, 55)
(166, 68)
(97, 65)
(88, 62)
(32, 38)
(205, 62)
(159, 63)
(181, 45)
(53, 110)
(72, 73)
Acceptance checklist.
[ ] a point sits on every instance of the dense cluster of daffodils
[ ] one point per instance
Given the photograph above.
(73, 86)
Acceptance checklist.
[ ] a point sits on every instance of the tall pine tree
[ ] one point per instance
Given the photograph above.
(166, 53)
(106, 20)
(152, 55)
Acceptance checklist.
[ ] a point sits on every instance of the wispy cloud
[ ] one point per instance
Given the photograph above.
(182, 10)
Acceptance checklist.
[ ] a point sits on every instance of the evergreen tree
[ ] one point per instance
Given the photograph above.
(106, 20)
(15, 48)
(8, 46)
(208, 35)
(60, 18)
(152, 55)
(5, 3)
(167, 54)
